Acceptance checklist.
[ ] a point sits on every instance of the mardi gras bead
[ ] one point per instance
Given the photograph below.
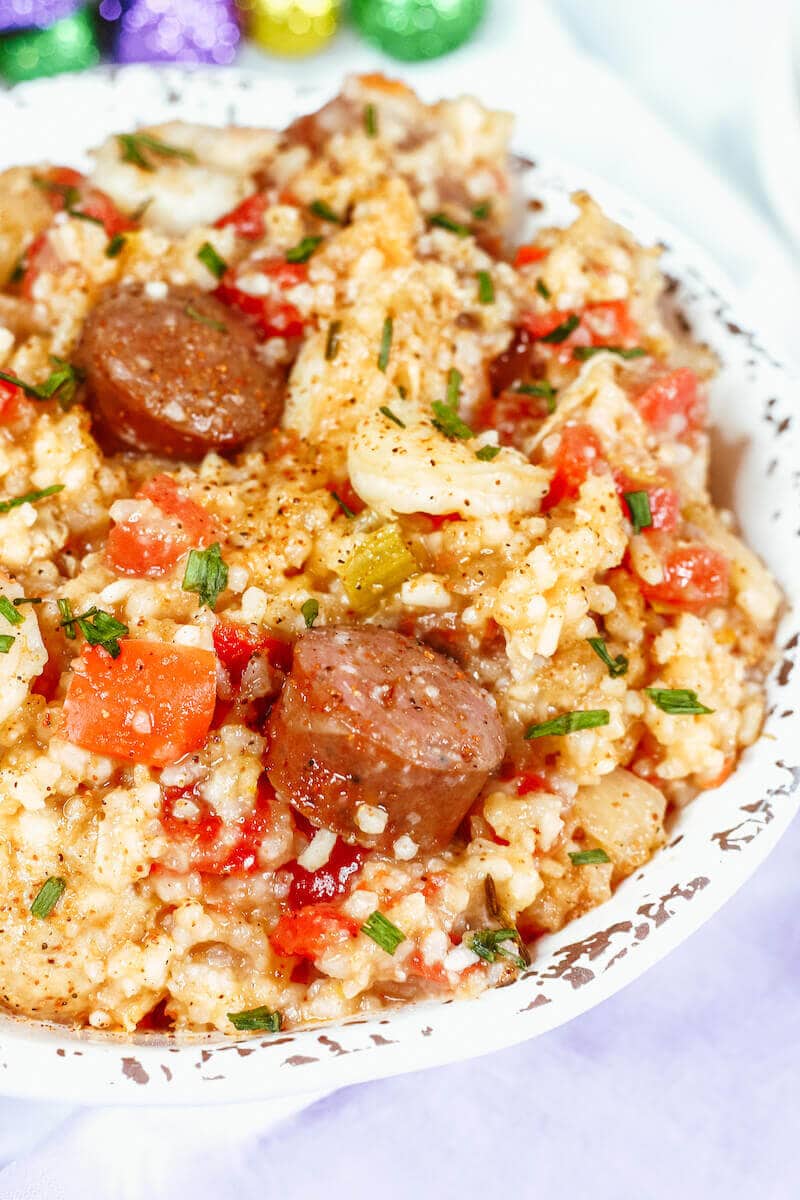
(413, 30)
(198, 31)
(291, 27)
(68, 45)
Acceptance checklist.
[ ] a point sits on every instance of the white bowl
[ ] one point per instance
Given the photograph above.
(715, 843)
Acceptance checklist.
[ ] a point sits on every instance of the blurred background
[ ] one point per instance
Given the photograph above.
(687, 1082)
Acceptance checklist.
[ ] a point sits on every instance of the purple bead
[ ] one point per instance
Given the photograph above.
(194, 31)
(35, 14)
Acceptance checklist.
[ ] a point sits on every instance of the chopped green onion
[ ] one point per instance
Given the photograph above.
(348, 512)
(6, 642)
(207, 574)
(386, 344)
(442, 221)
(584, 352)
(639, 505)
(586, 858)
(310, 611)
(543, 389)
(302, 252)
(383, 932)
(488, 453)
(562, 331)
(678, 701)
(82, 216)
(27, 600)
(325, 213)
(252, 1019)
(482, 211)
(67, 191)
(454, 380)
(371, 120)
(31, 497)
(48, 897)
(490, 944)
(210, 259)
(202, 319)
(377, 565)
(67, 619)
(60, 384)
(616, 666)
(134, 145)
(569, 722)
(401, 391)
(485, 287)
(543, 289)
(387, 412)
(11, 614)
(101, 629)
(332, 341)
(448, 422)
(115, 246)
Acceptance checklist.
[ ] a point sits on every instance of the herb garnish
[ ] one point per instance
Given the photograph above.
(586, 858)
(134, 146)
(482, 211)
(332, 341)
(442, 221)
(485, 287)
(454, 380)
(584, 352)
(543, 289)
(302, 252)
(544, 389)
(207, 574)
(202, 319)
(60, 384)
(678, 701)
(27, 600)
(382, 931)
(348, 512)
(30, 497)
(310, 610)
(387, 412)
(616, 666)
(386, 344)
(639, 505)
(98, 627)
(562, 331)
(48, 896)
(569, 722)
(490, 944)
(371, 120)
(6, 642)
(11, 614)
(488, 453)
(115, 246)
(251, 1019)
(325, 213)
(448, 422)
(210, 259)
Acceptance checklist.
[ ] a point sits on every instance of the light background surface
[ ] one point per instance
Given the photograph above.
(686, 1084)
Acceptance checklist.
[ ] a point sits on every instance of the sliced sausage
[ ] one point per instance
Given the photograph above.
(368, 717)
(177, 376)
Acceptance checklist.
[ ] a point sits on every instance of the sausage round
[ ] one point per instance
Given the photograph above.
(178, 376)
(370, 717)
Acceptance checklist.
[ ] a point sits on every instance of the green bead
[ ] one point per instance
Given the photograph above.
(69, 45)
(417, 29)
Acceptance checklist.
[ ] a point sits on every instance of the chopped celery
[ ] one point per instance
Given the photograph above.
(378, 564)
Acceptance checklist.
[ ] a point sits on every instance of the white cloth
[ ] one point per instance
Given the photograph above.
(50, 1152)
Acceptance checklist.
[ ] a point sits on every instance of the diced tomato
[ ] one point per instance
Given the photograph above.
(348, 495)
(90, 200)
(329, 882)
(243, 858)
(665, 505)
(311, 931)
(148, 547)
(531, 782)
(416, 965)
(610, 324)
(236, 644)
(13, 403)
(152, 704)
(695, 577)
(529, 254)
(539, 325)
(514, 415)
(247, 218)
(40, 256)
(274, 317)
(579, 455)
(202, 830)
(437, 520)
(673, 403)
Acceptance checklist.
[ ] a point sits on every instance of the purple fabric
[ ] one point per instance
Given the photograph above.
(684, 1086)
(37, 14)
(193, 31)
